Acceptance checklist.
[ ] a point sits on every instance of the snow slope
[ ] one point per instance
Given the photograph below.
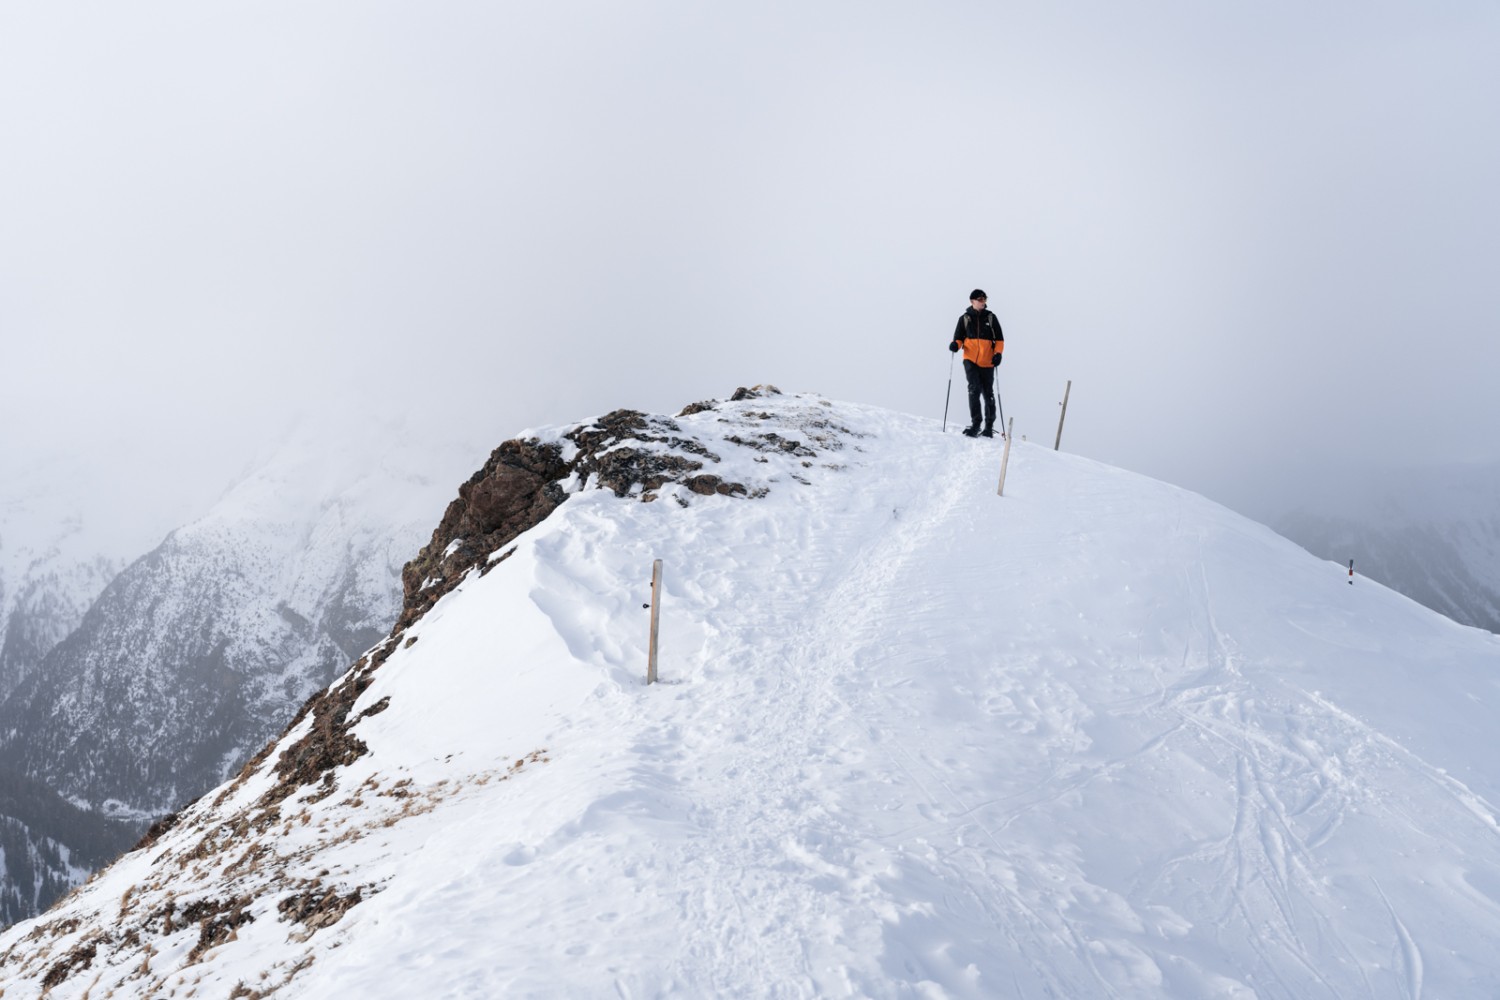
(1097, 738)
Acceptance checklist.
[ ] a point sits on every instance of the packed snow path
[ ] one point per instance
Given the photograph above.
(1097, 738)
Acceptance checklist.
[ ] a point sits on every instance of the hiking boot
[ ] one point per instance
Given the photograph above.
(971, 431)
(988, 432)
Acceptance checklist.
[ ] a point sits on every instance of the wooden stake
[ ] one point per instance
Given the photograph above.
(1058, 443)
(655, 620)
(1010, 431)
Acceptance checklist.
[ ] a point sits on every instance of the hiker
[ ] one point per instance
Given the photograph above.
(978, 333)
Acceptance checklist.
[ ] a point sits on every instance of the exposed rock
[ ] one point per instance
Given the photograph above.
(515, 490)
(625, 451)
(77, 960)
(317, 907)
(522, 483)
(754, 392)
(157, 830)
(708, 485)
(217, 920)
(616, 466)
(775, 442)
(330, 742)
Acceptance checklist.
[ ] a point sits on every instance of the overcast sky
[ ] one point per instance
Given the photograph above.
(1259, 238)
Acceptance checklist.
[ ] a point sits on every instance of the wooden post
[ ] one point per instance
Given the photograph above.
(1010, 431)
(1058, 443)
(655, 620)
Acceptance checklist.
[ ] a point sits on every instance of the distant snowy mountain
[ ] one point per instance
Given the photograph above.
(1433, 535)
(199, 651)
(1100, 737)
(58, 550)
(61, 542)
(45, 602)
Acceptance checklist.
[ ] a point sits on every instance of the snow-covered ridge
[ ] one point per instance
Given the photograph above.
(1100, 737)
(709, 449)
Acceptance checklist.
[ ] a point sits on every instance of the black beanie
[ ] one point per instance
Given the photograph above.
(978, 293)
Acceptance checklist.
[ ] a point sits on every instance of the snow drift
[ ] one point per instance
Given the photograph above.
(1099, 737)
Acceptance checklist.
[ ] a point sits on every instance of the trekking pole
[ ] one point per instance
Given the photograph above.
(949, 396)
(1001, 403)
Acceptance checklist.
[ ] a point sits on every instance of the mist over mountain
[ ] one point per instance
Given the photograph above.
(59, 547)
(195, 654)
(1096, 737)
(1432, 533)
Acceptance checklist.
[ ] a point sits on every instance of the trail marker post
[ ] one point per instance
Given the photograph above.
(1056, 445)
(1005, 456)
(655, 621)
(1351, 572)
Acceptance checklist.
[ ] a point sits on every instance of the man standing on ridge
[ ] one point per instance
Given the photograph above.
(983, 343)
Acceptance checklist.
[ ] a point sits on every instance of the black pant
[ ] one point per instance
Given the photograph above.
(981, 385)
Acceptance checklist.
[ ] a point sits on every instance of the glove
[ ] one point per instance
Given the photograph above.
(953, 346)
(999, 358)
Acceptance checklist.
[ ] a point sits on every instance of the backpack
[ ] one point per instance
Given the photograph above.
(989, 325)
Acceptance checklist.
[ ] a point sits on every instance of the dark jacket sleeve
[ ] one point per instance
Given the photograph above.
(958, 331)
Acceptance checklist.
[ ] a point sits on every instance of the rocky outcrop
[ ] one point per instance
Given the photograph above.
(627, 452)
(515, 490)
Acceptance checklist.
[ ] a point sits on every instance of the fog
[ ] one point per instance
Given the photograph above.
(1260, 240)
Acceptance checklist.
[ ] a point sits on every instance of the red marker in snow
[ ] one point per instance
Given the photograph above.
(1351, 572)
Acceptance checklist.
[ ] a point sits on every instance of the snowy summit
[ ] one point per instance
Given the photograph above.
(1096, 738)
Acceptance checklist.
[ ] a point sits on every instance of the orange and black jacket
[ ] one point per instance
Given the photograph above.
(980, 336)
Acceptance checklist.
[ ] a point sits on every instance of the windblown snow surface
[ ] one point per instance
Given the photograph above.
(1099, 737)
